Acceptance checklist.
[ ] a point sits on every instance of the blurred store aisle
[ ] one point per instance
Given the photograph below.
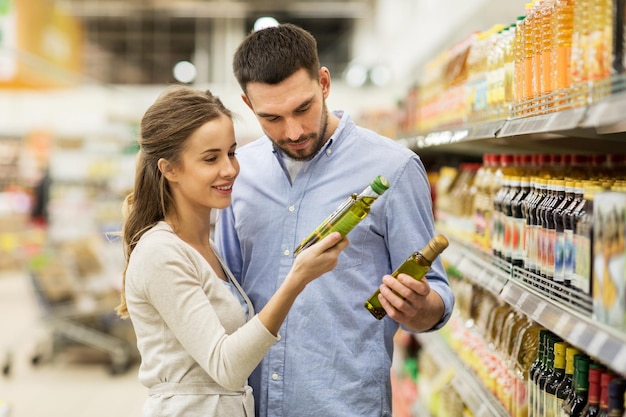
(64, 387)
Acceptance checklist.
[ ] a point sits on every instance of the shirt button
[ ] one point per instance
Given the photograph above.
(329, 151)
(287, 252)
(292, 208)
(274, 377)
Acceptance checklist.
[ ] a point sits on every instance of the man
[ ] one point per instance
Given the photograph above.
(334, 358)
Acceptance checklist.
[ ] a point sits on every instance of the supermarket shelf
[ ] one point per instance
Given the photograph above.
(600, 116)
(528, 294)
(598, 340)
(476, 397)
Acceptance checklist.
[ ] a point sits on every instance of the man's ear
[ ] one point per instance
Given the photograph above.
(246, 100)
(167, 169)
(325, 81)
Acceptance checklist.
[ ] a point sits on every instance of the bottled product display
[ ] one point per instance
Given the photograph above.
(348, 214)
(540, 227)
(558, 55)
(545, 225)
(415, 266)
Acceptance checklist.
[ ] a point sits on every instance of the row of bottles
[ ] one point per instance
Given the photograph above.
(530, 370)
(537, 213)
(565, 382)
(558, 54)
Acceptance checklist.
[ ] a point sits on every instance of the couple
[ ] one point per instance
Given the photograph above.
(207, 311)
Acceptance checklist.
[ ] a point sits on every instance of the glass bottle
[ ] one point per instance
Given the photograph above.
(576, 402)
(550, 239)
(569, 253)
(535, 243)
(543, 377)
(617, 388)
(519, 222)
(559, 244)
(348, 214)
(567, 384)
(605, 379)
(552, 383)
(592, 408)
(584, 243)
(415, 265)
(534, 369)
(508, 219)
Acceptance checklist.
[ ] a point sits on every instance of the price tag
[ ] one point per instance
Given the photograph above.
(537, 313)
(577, 332)
(619, 363)
(521, 300)
(561, 324)
(598, 340)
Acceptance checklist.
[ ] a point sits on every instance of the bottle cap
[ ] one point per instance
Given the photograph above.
(436, 245)
(380, 184)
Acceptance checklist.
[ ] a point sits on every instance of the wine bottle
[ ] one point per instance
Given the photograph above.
(415, 265)
(348, 214)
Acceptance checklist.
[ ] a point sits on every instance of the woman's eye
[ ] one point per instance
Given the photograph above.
(232, 154)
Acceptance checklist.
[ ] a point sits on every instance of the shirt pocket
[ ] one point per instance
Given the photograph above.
(359, 248)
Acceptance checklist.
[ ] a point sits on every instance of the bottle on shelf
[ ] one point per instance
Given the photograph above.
(552, 383)
(518, 223)
(542, 378)
(584, 243)
(508, 219)
(592, 408)
(348, 214)
(535, 369)
(559, 243)
(605, 379)
(570, 217)
(562, 54)
(415, 265)
(566, 386)
(576, 401)
(617, 390)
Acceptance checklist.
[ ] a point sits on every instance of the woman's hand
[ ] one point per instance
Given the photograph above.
(318, 259)
(312, 262)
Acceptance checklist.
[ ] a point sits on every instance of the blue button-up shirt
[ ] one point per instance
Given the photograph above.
(333, 358)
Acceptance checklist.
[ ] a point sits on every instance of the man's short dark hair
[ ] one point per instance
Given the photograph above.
(273, 54)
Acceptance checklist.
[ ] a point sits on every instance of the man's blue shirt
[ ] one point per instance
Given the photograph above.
(333, 358)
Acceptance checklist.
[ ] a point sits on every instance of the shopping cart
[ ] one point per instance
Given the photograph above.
(77, 309)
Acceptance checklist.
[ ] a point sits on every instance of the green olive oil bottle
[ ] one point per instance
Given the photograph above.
(348, 214)
(415, 265)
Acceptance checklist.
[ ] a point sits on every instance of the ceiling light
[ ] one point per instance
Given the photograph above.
(265, 22)
(185, 72)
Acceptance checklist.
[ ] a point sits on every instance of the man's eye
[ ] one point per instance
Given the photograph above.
(232, 154)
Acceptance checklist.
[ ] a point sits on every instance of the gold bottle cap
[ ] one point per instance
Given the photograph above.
(436, 245)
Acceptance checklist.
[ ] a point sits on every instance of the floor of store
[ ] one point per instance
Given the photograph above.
(73, 383)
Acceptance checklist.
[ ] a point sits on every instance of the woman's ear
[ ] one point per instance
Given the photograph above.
(167, 169)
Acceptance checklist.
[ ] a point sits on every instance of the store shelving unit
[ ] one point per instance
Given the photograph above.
(600, 119)
(600, 341)
(596, 126)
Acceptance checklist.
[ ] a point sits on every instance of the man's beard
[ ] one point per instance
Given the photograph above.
(318, 140)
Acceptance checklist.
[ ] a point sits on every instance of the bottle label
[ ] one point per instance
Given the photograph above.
(569, 254)
(549, 241)
(517, 239)
(559, 257)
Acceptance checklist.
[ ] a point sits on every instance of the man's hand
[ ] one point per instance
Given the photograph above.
(413, 304)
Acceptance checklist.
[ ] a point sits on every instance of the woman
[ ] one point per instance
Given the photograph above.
(197, 332)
